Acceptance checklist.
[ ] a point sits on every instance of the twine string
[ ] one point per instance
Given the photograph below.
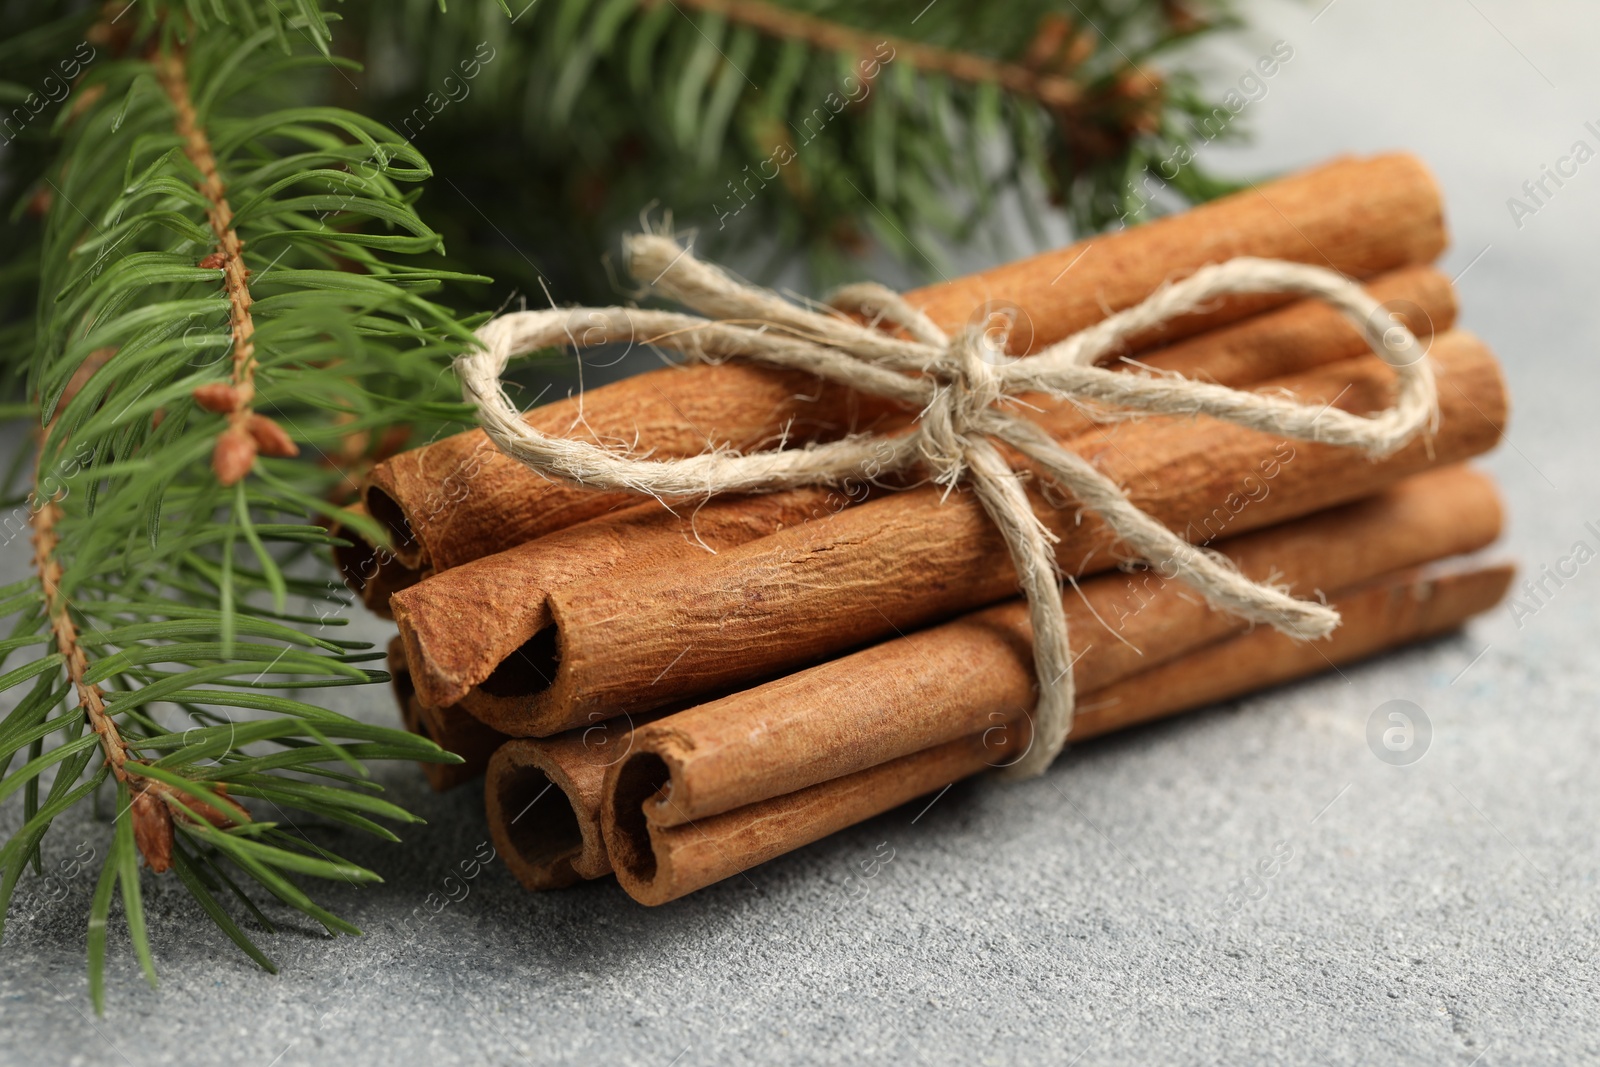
(965, 389)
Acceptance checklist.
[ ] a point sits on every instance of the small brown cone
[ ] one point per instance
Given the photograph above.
(270, 438)
(217, 396)
(152, 829)
(234, 455)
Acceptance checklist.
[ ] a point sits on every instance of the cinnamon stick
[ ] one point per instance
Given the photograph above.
(911, 693)
(1263, 659)
(461, 625)
(371, 572)
(542, 800)
(459, 499)
(655, 863)
(937, 685)
(632, 640)
(472, 625)
(450, 728)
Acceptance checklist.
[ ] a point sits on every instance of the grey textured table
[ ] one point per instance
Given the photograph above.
(1443, 912)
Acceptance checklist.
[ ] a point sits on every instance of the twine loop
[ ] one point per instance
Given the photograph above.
(965, 388)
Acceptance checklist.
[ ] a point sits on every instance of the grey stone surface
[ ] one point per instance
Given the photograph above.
(1443, 912)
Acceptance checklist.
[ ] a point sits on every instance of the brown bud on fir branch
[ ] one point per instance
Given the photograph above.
(234, 455)
(269, 437)
(152, 829)
(246, 436)
(219, 397)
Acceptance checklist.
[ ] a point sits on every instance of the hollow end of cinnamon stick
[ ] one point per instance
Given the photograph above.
(445, 642)
(543, 823)
(455, 732)
(522, 696)
(642, 780)
(371, 572)
(372, 575)
(502, 699)
(385, 509)
(450, 728)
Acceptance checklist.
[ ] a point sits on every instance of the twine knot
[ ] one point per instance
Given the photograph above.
(961, 386)
(967, 389)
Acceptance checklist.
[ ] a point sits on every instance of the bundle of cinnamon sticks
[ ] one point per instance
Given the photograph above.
(675, 695)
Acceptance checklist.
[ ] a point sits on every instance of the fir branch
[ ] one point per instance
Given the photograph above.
(65, 631)
(152, 822)
(779, 125)
(160, 586)
(1052, 90)
(235, 451)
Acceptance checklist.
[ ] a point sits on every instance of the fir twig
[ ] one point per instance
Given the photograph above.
(1053, 90)
(235, 451)
(160, 585)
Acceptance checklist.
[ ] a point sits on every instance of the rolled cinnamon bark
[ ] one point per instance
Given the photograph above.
(371, 572)
(461, 625)
(1431, 605)
(473, 625)
(450, 728)
(632, 641)
(542, 801)
(655, 863)
(940, 684)
(459, 498)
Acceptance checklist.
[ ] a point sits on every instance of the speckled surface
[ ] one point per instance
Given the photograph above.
(1443, 912)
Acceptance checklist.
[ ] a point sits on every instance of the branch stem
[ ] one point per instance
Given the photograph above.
(174, 79)
(1053, 90)
(45, 542)
(236, 448)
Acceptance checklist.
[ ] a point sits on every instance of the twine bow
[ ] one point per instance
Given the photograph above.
(964, 387)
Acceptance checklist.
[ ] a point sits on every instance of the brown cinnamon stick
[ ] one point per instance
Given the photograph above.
(472, 625)
(632, 641)
(940, 684)
(655, 863)
(937, 685)
(461, 625)
(371, 572)
(1262, 659)
(542, 800)
(459, 498)
(450, 728)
